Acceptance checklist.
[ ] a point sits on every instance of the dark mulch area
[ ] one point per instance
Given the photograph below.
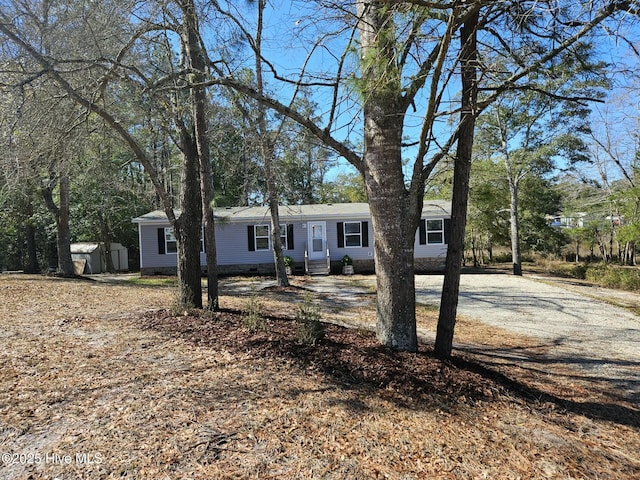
(351, 358)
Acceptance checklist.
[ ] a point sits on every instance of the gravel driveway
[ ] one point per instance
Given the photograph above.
(578, 325)
(583, 325)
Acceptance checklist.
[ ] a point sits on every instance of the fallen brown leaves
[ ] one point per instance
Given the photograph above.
(152, 395)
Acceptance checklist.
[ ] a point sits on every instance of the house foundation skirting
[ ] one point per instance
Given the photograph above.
(429, 265)
(422, 265)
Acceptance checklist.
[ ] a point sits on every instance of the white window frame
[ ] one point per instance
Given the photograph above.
(283, 236)
(352, 235)
(170, 238)
(435, 231)
(256, 237)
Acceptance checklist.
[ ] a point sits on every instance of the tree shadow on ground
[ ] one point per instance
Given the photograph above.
(352, 359)
(560, 381)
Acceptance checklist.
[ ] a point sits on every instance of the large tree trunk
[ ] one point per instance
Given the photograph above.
(395, 219)
(394, 213)
(61, 215)
(31, 265)
(188, 227)
(199, 107)
(395, 279)
(462, 170)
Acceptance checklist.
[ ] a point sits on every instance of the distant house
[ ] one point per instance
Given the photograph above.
(90, 257)
(567, 221)
(316, 237)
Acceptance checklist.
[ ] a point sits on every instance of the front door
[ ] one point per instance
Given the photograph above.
(317, 234)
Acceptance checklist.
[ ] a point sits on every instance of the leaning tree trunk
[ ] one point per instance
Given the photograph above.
(462, 170)
(282, 278)
(276, 239)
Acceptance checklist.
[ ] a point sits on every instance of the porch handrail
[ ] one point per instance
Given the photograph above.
(328, 260)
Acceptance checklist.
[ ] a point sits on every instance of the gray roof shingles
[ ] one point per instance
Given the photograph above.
(432, 208)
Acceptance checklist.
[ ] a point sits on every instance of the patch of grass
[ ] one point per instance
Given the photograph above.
(310, 328)
(252, 314)
(362, 282)
(427, 307)
(603, 274)
(154, 281)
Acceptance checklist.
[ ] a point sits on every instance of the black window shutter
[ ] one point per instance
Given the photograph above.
(161, 250)
(365, 234)
(290, 236)
(251, 239)
(340, 234)
(423, 232)
(447, 230)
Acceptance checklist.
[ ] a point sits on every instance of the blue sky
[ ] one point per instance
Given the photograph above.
(293, 27)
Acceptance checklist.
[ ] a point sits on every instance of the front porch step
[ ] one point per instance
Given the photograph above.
(317, 267)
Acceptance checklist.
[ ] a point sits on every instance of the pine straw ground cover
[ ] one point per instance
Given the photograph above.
(105, 381)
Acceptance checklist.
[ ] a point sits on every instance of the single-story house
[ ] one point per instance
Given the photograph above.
(567, 221)
(90, 257)
(316, 237)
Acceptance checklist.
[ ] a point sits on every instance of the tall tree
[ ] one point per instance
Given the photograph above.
(197, 65)
(267, 145)
(407, 56)
(529, 132)
(112, 63)
(462, 170)
(43, 136)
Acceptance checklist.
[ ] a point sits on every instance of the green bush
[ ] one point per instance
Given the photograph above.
(606, 275)
(613, 276)
(579, 271)
(569, 270)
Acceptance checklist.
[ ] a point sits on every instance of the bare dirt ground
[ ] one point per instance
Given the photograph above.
(105, 380)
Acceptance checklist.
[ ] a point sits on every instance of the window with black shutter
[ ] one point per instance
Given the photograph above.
(353, 234)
